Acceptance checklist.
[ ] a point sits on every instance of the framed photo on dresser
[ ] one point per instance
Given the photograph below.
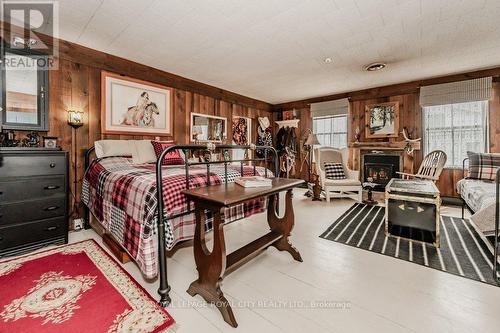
(135, 107)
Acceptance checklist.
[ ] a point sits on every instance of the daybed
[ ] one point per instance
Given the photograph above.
(479, 190)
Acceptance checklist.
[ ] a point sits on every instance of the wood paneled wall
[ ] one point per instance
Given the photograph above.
(305, 123)
(78, 86)
(411, 118)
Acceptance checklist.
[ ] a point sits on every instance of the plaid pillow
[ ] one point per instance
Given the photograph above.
(334, 170)
(483, 166)
(172, 158)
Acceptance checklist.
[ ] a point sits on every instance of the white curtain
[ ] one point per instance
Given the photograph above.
(455, 129)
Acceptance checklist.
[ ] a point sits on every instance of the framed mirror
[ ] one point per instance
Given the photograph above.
(24, 98)
(205, 128)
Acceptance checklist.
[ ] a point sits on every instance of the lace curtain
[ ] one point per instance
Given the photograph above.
(456, 129)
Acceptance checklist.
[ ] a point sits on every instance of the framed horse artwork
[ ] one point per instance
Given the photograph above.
(135, 107)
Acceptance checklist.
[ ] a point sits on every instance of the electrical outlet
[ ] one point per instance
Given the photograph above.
(78, 224)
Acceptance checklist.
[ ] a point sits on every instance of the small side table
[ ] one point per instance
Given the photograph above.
(369, 186)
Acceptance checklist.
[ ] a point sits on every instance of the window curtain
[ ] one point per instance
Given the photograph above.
(456, 117)
(455, 129)
(456, 92)
(331, 108)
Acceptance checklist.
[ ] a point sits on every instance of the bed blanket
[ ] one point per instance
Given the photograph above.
(122, 196)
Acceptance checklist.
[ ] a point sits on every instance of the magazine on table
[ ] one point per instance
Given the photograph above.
(253, 181)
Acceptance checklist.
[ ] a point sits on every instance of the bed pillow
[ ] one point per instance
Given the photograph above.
(143, 152)
(172, 158)
(483, 166)
(108, 148)
(334, 170)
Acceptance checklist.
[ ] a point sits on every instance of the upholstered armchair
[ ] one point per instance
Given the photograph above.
(350, 187)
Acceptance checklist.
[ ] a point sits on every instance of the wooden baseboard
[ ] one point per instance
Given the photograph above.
(116, 249)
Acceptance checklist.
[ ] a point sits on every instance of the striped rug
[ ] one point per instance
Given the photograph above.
(463, 251)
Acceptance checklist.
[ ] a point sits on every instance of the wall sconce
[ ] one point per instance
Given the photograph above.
(75, 118)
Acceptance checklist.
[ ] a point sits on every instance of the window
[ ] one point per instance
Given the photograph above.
(456, 129)
(331, 131)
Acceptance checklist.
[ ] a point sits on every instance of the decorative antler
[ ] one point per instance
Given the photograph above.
(409, 147)
(407, 139)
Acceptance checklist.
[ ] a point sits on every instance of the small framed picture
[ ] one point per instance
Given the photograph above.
(50, 142)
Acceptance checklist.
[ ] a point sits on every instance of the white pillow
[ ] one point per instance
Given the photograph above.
(143, 152)
(107, 148)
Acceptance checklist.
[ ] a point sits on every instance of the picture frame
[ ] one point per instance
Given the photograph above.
(206, 128)
(382, 120)
(241, 130)
(50, 142)
(135, 107)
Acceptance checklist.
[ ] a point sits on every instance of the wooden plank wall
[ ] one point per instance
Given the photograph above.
(78, 86)
(411, 118)
(305, 123)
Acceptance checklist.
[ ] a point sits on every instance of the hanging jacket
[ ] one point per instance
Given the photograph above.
(264, 138)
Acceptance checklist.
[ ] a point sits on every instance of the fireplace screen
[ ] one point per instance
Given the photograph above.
(380, 173)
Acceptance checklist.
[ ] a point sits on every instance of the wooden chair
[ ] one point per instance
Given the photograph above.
(430, 168)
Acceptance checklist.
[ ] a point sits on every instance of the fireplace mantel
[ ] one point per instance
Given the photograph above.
(358, 149)
(399, 145)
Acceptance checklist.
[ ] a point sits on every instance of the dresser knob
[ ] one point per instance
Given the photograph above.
(48, 209)
(52, 165)
(50, 187)
(51, 228)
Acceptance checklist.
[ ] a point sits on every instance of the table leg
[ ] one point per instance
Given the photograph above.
(211, 265)
(283, 225)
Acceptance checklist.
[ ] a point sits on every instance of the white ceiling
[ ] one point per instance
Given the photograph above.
(273, 50)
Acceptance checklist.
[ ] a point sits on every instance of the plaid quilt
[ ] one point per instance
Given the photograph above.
(122, 196)
(478, 194)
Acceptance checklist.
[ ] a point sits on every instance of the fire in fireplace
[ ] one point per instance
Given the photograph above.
(380, 168)
(379, 173)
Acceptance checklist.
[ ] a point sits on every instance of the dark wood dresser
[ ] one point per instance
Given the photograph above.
(33, 199)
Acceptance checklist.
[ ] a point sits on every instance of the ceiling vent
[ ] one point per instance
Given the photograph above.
(375, 67)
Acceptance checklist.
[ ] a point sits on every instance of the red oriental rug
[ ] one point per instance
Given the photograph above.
(75, 288)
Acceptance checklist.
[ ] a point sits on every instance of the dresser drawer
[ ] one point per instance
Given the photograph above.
(32, 210)
(24, 234)
(32, 165)
(32, 188)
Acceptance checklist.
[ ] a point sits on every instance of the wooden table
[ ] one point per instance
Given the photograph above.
(412, 205)
(212, 266)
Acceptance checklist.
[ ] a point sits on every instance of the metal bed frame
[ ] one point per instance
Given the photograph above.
(164, 288)
(497, 218)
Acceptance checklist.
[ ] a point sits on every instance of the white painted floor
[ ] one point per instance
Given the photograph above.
(362, 291)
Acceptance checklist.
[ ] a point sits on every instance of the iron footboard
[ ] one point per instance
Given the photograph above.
(164, 287)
